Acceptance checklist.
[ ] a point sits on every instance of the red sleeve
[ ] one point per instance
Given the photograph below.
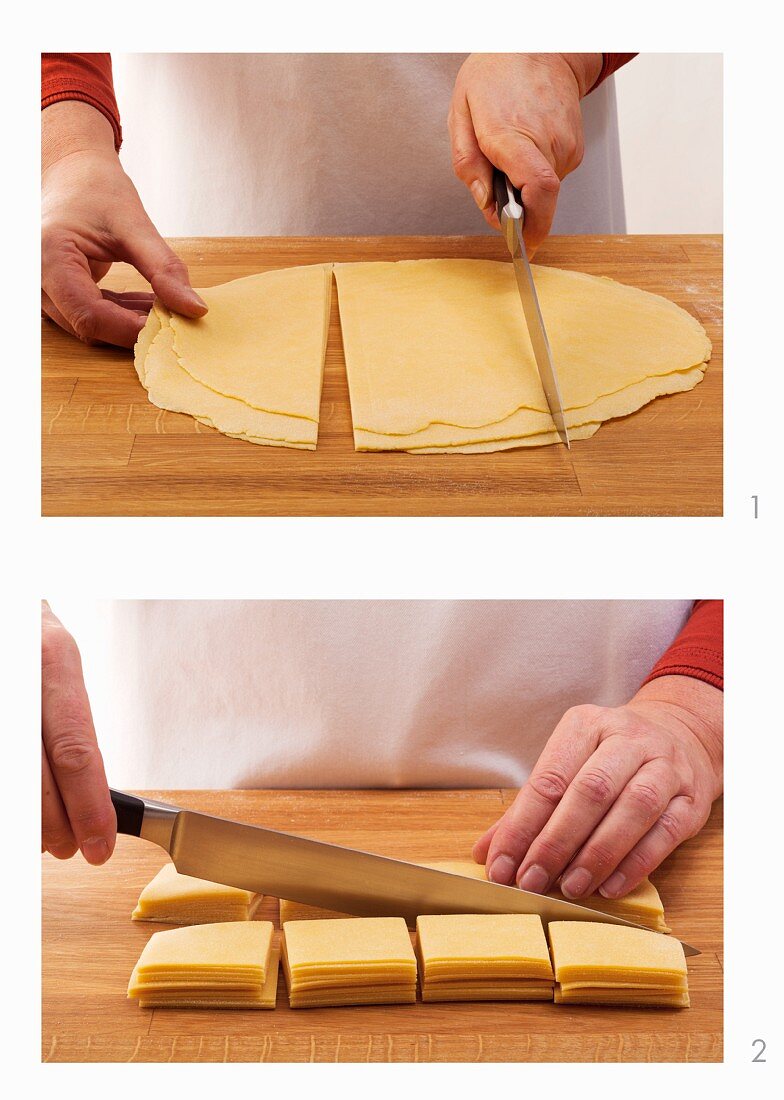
(611, 63)
(83, 76)
(698, 651)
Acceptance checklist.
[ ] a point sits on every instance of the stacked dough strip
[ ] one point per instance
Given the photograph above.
(252, 367)
(609, 964)
(232, 965)
(366, 960)
(485, 957)
(172, 898)
(439, 359)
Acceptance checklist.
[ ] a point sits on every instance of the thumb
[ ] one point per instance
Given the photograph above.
(164, 270)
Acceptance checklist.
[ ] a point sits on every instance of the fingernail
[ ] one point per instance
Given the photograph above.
(577, 883)
(502, 870)
(95, 850)
(613, 886)
(199, 301)
(534, 878)
(479, 191)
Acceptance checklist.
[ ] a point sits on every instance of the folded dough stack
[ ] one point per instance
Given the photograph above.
(172, 898)
(641, 906)
(252, 367)
(439, 359)
(486, 957)
(609, 964)
(359, 961)
(230, 965)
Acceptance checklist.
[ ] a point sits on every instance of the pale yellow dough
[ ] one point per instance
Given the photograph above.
(227, 965)
(436, 346)
(611, 964)
(365, 960)
(483, 957)
(172, 898)
(252, 367)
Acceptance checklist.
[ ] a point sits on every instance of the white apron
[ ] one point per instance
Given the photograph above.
(330, 693)
(323, 145)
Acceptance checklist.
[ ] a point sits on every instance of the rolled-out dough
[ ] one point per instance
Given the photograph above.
(252, 367)
(612, 964)
(172, 898)
(436, 346)
(227, 965)
(364, 960)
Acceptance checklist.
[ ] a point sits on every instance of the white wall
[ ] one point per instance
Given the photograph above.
(670, 123)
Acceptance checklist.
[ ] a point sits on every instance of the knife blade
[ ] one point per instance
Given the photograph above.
(326, 875)
(511, 215)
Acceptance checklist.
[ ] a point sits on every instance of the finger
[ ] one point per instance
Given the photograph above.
(639, 805)
(139, 300)
(56, 834)
(68, 284)
(71, 747)
(571, 744)
(470, 164)
(52, 313)
(164, 270)
(589, 797)
(678, 822)
(528, 169)
(480, 849)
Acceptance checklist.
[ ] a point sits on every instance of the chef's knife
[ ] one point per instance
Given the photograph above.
(327, 875)
(511, 215)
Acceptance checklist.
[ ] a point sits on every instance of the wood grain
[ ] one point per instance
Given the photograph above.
(90, 946)
(107, 451)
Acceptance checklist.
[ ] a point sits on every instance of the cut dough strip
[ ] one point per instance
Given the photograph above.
(172, 898)
(266, 388)
(440, 347)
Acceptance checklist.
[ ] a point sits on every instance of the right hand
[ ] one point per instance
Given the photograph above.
(91, 216)
(76, 810)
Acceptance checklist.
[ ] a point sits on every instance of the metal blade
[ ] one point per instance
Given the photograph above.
(533, 315)
(346, 880)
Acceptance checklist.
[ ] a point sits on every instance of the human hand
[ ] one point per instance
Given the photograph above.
(91, 216)
(521, 113)
(76, 810)
(614, 791)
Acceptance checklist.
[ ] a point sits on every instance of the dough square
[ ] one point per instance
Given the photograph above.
(223, 965)
(482, 946)
(172, 898)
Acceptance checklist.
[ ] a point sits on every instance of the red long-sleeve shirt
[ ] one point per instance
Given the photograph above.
(698, 651)
(88, 77)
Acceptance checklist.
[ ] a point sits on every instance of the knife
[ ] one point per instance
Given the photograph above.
(511, 215)
(327, 875)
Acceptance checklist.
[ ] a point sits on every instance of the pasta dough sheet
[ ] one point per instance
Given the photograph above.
(483, 957)
(642, 905)
(365, 960)
(611, 964)
(172, 898)
(252, 367)
(442, 344)
(227, 965)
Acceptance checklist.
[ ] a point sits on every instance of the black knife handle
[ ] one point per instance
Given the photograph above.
(130, 812)
(499, 190)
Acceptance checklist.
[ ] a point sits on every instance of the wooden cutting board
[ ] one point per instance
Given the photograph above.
(108, 451)
(90, 946)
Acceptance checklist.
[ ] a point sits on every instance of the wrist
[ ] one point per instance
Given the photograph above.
(696, 706)
(72, 127)
(585, 68)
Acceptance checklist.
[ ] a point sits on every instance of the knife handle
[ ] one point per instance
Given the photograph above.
(130, 812)
(505, 194)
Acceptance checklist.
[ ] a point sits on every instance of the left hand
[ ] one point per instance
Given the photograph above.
(614, 791)
(521, 113)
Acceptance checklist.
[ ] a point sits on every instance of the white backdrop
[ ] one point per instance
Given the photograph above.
(670, 126)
